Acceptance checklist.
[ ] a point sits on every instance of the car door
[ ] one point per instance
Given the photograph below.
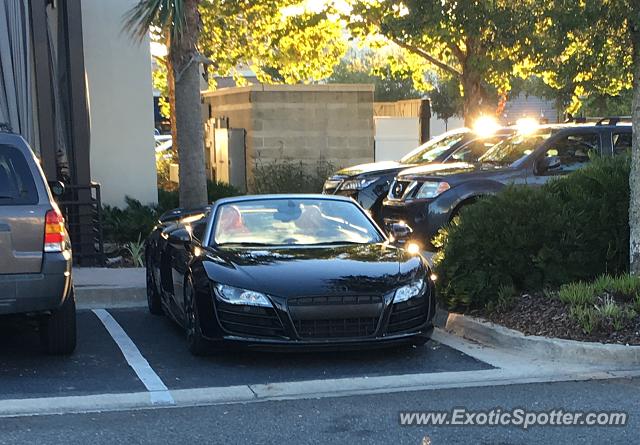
(22, 217)
(573, 151)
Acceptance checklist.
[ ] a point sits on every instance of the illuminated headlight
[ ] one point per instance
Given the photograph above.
(431, 189)
(236, 295)
(357, 184)
(409, 291)
(331, 184)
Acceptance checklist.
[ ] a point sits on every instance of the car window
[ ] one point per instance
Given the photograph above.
(16, 182)
(621, 143)
(432, 149)
(474, 149)
(515, 148)
(574, 151)
(292, 222)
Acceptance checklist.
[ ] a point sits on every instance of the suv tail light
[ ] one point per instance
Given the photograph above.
(54, 231)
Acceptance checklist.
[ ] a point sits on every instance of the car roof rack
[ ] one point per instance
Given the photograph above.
(5, 128)
(613, 120)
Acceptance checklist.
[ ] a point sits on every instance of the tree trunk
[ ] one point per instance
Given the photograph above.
(474, 96)
(171, 86)
(188, 114)
(634, 178)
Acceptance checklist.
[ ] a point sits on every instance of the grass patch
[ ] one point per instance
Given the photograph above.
(608, 303)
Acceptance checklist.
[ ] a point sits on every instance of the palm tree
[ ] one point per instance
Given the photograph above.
(181, 21)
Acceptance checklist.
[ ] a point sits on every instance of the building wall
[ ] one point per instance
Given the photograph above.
(301, 122)
(120, 96)
(396, 136)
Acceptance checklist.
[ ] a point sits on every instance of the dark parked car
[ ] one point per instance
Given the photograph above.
(368, 184)
(272, 271)
(428, 197)
(35, 252)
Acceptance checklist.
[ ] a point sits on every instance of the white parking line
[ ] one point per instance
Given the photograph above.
(158, 391)
(301, 390)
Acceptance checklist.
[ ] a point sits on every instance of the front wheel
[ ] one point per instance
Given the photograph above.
(58, 330)
(153, 295)
(196, 343)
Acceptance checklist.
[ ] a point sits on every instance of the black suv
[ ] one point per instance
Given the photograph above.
(369, 184)
(428, 197)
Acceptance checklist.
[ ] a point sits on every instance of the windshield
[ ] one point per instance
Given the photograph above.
(297, 221)
(430, 151)
(514, 148)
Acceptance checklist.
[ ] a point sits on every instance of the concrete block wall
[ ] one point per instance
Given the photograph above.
(304, 123)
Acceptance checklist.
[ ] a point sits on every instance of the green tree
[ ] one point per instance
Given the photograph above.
(363, 67)
(479, 43)
(180, 21)
(281, 41)
(446, 101)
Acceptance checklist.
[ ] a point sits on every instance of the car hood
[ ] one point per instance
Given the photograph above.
(450, 170)
(372, 168)
(371, 269)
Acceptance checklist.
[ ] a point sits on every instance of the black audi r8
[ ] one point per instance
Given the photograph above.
(271, 271)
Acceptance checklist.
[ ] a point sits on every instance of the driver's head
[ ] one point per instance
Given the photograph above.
(230, 218)
(310, 218)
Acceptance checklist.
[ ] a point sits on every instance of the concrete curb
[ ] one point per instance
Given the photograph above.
(110, 297)
(552, 349)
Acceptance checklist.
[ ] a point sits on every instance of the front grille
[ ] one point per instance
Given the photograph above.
(338, 328)
(336, 316)
(408, 315)
(249, 320)
(339, 299)
(398, 189)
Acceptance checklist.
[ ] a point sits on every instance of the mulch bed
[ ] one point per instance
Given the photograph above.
(534, 314)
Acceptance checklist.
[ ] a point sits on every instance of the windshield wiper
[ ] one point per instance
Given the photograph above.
(247, 244)
(335, 243)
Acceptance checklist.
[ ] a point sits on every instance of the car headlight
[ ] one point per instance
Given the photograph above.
(409, 291)
(357, 184)
(236, 295)
(431, 189)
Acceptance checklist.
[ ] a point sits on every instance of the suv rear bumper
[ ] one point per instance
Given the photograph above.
(45, 291)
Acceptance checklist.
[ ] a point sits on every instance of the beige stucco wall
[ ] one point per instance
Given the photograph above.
(300, 122)
(120, 95)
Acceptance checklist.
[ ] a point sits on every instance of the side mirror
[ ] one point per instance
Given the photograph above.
(180, 237)
(548, 163)
(400, 231)
(57, 188)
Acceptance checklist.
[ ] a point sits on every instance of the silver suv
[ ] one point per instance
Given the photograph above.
(35, 251)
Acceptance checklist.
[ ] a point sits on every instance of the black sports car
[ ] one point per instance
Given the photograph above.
(271, 271)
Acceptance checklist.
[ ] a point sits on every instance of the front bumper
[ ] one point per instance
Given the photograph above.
(41, 292)
(263, 344)
(422, 216)
(334, 324)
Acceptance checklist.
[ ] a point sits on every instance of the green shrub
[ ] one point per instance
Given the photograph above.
(502, 240)
(129, 224)
(571, 229)
(597, 199)
(288, 176)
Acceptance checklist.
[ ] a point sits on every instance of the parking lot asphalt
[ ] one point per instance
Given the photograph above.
(99, 367)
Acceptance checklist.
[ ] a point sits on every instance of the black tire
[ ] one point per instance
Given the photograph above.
(196, 343)
(58, 330)
(153, 295)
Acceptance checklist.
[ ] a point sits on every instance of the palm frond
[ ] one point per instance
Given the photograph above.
(165, 14)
